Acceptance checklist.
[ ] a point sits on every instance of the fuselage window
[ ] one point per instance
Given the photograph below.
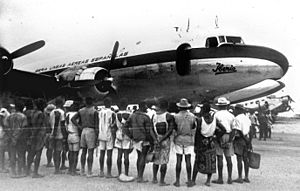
(211, 42)
(234, 39)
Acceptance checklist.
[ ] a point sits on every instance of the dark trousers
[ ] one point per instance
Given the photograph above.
(263, 131)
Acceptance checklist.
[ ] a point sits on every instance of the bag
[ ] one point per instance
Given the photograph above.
(254, 160)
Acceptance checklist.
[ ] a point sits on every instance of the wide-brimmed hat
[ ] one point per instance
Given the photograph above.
(183, 103)
(222, 101)
(49, 108)
(68, 103)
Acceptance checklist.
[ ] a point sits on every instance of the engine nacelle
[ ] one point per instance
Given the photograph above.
(89, 81)
(183, 62)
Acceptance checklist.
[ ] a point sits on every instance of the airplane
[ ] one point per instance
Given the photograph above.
(276, 104)
(223, 66)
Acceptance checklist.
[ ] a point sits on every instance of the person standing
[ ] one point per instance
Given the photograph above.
(3, 139)
(73, 136)
(224, 143)
(138, 129)
(38, 135)
(17, 136)
(87, 120)
(204, 146)
(163, 125)
(122, 142)
(242, 142)
(57, 121)
(184, 140)
(106, 142)
(48, 140)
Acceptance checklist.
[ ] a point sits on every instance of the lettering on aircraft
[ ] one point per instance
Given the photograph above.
(221, 69)
(79, 62)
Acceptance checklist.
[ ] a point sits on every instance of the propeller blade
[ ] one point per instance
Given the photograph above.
(27, 49)
(114, 52)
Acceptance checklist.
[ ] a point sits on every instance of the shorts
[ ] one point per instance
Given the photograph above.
(74, 146)
(184, 150)
(56, 144)
(123, 144)
(139, 145)
(88, 138)
(228, 152)
(240, 147)
(106, 145)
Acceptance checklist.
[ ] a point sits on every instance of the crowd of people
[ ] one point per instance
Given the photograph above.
(66, 127)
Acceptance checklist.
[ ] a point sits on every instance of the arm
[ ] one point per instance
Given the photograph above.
(171, 124)
(152, 133)
(75, 120)
(96, 118)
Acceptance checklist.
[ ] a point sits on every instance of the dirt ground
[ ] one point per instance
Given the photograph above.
(280, 170)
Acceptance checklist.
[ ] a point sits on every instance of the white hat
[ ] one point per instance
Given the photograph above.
(4, 112)
(223, 101)
(183, 103)
(68, 103)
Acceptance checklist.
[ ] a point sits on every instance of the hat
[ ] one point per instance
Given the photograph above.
(183, 103)
(68, 103)
(223, 101)
(239, 106)
(49, 108)
(4, 112)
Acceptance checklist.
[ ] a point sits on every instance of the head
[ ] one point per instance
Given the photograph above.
(222, 103)
(239, 109)
(89, 101)
(163, 104)
(183, 104)
(19, 105)
(59, 102)
(40, 104)
(29, 104)
(205, 108)
(74, 106)
(49, 108)
(123, 103)
(107, 102)
(143, 106)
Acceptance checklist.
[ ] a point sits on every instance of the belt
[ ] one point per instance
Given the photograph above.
(89, 127)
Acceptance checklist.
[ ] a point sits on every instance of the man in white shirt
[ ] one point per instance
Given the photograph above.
(224, 143)
(106, 142)
(57, 121)
(242, 142)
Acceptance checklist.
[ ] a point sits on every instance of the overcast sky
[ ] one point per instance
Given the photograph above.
(72, 24)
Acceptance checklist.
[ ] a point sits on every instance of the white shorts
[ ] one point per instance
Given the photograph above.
(123, 144)
(139, 145)
(184, 150)
(106, 145)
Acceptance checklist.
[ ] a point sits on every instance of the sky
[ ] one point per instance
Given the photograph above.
(72, 27)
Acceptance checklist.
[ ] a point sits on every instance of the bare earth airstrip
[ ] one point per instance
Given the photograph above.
(280, 170)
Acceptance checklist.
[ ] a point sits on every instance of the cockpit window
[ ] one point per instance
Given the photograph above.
(234, 39)
(211, 42)
(222, 39)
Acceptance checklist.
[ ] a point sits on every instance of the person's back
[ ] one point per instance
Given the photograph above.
(105, 124)
(185, 122)
(87, 117)
(140, 126)
(226, 119)
(16, 122)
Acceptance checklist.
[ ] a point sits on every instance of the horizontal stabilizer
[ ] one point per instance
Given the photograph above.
(260, 89)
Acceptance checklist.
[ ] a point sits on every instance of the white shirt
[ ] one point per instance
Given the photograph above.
(226, 119)
(59, 134)
(105, 123)
(208, 130)
(243, 123)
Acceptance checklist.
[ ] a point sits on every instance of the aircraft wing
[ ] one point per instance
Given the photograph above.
(263, 88)
(24, 83)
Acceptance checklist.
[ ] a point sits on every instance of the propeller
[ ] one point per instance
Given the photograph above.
(6, 63)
